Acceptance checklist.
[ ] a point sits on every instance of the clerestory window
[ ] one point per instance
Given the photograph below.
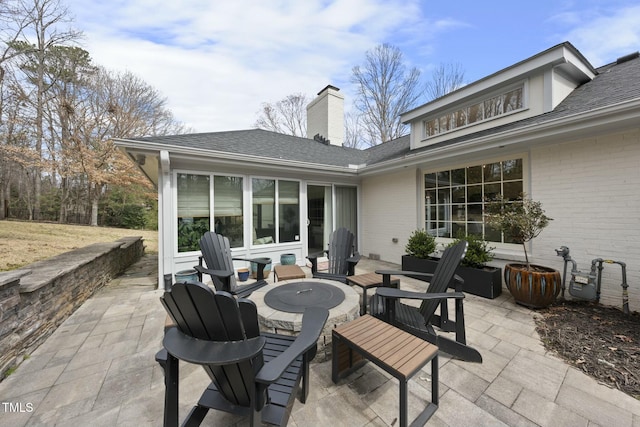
(487, 109)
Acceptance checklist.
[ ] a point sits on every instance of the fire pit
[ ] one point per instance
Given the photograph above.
(295, 297)
(280, 307)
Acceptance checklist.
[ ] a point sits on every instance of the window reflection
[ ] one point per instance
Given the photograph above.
(193, 210)
(494, 106)
(454, 199)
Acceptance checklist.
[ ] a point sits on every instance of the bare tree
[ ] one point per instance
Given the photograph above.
(353, 130)
(384, 90)
(118, 106)
(12, 23)
(444, 79)
(287, 116)
(69, 72)
(43, 19)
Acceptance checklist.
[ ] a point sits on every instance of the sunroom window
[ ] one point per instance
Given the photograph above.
(289, 211)
(227, 208)
(193, 210)
(276, 211)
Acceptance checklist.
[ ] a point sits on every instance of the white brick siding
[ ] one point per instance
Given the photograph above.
(389, 210)
(591, 189)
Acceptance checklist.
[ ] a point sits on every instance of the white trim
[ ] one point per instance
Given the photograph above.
(242, 160)
(165, 202)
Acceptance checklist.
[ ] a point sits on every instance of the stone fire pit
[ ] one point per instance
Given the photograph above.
(300, 292)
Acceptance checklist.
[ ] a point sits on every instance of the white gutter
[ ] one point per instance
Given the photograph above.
(188, 153)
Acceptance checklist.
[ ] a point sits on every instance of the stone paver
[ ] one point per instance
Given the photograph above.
(98, 369)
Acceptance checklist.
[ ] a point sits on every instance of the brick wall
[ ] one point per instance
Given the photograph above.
(36, 299)
(389, 210)
(590, 188)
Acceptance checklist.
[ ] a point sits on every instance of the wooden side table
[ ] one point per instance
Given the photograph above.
(366, 281)
(397, 352)
(288, 272)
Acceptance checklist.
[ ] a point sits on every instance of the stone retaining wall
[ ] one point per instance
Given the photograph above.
(36, 299)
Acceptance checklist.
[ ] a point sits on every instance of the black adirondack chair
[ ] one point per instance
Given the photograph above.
(216, 254)
(252, 374)
(420, 321)
(342, 257)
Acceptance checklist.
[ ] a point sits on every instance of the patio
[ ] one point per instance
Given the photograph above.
(98, 369)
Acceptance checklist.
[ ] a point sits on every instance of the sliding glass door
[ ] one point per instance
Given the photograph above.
(320, 220)
(330, 207)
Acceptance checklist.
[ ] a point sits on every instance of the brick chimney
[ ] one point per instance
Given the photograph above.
(325, 116)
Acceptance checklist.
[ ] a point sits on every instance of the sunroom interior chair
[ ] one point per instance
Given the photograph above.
(252, 373)
(218, 263)
(387, 304)
(341, 254)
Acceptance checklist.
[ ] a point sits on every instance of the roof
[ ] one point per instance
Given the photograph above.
(613, 84)
(264, 144)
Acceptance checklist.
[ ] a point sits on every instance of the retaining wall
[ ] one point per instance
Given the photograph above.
(36, 299)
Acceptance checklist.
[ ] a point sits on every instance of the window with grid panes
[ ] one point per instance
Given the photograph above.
(455, 198)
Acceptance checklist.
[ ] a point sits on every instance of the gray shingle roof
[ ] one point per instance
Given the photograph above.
(266, 144)
(614, 83)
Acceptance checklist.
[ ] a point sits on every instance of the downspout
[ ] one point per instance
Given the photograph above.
(165, 242)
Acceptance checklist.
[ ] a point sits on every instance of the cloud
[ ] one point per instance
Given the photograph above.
(603, 36)
(218, 61)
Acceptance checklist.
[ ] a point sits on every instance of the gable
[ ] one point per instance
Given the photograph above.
(527, 89)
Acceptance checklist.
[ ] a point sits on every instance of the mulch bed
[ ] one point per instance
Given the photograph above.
(599, 340)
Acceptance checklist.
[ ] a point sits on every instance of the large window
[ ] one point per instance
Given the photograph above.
(506, 102)
(289, 211)
(276, 211)
(454, 199)
(227, 208)
(193, 210)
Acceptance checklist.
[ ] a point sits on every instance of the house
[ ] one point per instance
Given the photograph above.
(552, 126)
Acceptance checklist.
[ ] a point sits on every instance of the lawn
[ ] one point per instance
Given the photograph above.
(24, 242)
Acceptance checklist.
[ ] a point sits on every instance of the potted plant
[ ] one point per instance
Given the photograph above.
(420, 244)
(420, 247)
(479, 278)
(522, 220)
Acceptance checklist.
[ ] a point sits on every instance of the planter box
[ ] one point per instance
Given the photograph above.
(486, 282)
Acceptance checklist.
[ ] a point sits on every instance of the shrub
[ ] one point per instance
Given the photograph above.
(478, 250)
(190, 232)
(126, 216)
(421, 244)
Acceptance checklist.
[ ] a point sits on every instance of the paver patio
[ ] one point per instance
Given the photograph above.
(98, 369)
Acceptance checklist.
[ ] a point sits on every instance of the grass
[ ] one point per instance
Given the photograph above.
(24, 242)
